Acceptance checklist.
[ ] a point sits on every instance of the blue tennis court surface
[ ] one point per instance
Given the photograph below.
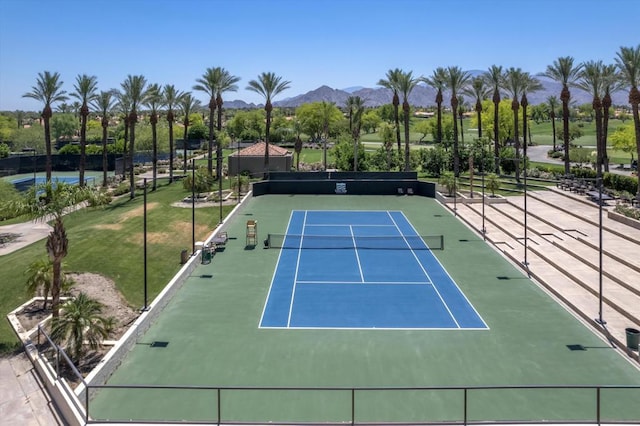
(362, 270)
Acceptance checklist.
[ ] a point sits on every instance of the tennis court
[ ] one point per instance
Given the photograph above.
(361, 269)
(209, 355)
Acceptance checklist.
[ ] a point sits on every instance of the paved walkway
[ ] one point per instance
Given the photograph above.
(23, 401)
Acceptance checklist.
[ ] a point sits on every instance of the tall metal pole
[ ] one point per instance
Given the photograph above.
(484, 229)
(144, 308)
(526, 240)
(219, 161)
(600, 320)
(193, 206)
(238, 172)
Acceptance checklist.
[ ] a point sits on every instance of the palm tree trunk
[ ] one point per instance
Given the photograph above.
(46, 115)
(553, 127)
(125, 152)
(267, 108)
(170, 149)
(515, 106)
(154, 143)
(439, 113)
(105, 124)
(597, 107)
(184, 138)
(456, 153)
(83, 143)
(634, 99)
(396, 116)
(496, 130)
(132, 138)
(406, 110)
(564, 97)
(212, 107)
(606, 104)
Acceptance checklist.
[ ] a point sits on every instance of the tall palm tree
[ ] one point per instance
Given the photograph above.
(391, 83)
(406, 84)
(153, 101)
(81, 322)
(104, 104)
(563, 71)
(124, 108)
(628, 62)
(187, 105)
(86, 91)
(48, 90)
(514, 83)
(479, 91)
(456, 83)
(208, 84)
(494, 77)
(591, 81)
(227, 83)
(170, 99)
(355, 107)
(530, 85)
(268, 85)
(552, 101)
(460, 115)
(438, 81)
(611, 83)
(134, 90)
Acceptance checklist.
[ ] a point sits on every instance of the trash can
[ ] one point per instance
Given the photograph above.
(206, 255)
(633, 337)
(184, 256)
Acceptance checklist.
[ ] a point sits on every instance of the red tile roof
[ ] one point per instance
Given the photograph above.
(257, 150)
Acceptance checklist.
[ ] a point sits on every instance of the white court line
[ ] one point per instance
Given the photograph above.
(425, 272)
(295, 278)
(355, 249)
(367, 282)
(452, 280)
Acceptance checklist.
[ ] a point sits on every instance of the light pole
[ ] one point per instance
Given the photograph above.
(238, 171)
(219, 161)
(600, 320)
(145, 307)
(193, 206)
(484, 229)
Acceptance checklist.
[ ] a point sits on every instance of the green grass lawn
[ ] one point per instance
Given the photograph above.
(108, 241)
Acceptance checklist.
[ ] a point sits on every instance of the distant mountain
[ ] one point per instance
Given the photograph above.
(421, 96)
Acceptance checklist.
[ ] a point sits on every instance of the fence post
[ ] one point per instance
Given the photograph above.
(465, 406)
(57, 362)
(598, 405)
(219, 416)
(86, 404)
(353, 406)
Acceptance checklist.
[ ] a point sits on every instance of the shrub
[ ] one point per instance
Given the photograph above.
(628, 211)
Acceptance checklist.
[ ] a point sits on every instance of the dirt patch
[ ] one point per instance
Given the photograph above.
(109, 226)
(139, 211)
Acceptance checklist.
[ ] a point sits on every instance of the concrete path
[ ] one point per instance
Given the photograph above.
(23, 401)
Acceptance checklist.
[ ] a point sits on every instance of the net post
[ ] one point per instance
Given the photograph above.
(441, 242)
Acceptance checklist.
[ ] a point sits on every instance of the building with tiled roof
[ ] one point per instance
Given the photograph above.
(250, 160)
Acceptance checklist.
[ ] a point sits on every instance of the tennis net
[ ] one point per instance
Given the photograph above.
(333, 242)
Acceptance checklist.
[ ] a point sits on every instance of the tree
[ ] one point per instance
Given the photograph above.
(552, 101)
(187, 104)
(85, 90)
(564, 72)
(456, 82)
(226, 83)
(623, 139)
(81, 322)
(355, 107)
(591, 81)
(611, 83)
(479, 91)
(56, 200)
(170, 99)
(391, 83)
(48, 90)
(438, 81)
(104, 104)
(40, 279)
(268, 85)
(406, 84)
(493, 183)
(371, 121)
(134, 90)
(64, 125)
(628, 62)
(494, 77)
(153, 100)
(208, 84)
(423, 127)
(448, 180)
(530, 85)
(124, 107)
(386, 134)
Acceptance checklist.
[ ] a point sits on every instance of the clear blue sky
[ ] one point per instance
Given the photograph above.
(339, 43)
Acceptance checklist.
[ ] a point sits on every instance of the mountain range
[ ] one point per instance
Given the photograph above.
(421, 96)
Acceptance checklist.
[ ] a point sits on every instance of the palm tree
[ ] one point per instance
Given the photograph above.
(268, 85)
(124, 107)
(226, 83)
(39, 278)
(611, 83)
(590, 80)
(56, 200)
(494, 77)
(460, 114)
(628, 62)
(171, 98)
(563, 71)
(104, 103)
(391, 83)
(514, 82)
(48, 89)
(406, 84)
(85, 91)
(208, 84)
(479, 91)
(134, 90)
(81, 322)
(530, 85)
(187, 104)
(456, 83)
(438, 81)
(355, 107)
(153, 101)
(552, 101)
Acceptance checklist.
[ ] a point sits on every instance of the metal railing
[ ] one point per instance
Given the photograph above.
(469, 405)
